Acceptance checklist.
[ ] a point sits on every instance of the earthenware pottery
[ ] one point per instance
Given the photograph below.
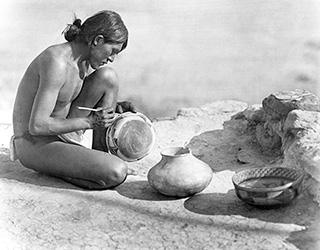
(179, 173)
(268, 186)
(131, 136)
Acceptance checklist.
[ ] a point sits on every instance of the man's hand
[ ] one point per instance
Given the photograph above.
(125, 106)
(102, 118)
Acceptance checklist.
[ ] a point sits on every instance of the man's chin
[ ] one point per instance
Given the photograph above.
(94, 66)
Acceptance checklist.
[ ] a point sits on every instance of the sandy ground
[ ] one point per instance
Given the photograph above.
(41, 212)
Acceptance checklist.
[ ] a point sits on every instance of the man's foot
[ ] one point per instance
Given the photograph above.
(132, 171)
(13, 152)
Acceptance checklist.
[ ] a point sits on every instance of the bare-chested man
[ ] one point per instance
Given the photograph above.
(58, 81)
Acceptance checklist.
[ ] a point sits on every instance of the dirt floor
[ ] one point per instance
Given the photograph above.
(41, 212)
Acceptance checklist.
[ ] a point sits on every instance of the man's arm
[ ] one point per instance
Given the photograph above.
(52, 75)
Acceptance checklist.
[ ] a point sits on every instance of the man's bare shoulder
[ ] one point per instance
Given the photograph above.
(55, 54)
(52, 65)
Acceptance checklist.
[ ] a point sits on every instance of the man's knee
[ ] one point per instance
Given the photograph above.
(116, 176)
(107, 78)
(119, 172)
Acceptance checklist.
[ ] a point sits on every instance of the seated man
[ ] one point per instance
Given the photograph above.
(46, 113)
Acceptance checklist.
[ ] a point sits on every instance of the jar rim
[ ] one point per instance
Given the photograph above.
(176, 151)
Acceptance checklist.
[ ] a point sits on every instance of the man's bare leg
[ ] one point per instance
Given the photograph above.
(83, 167)
(100, 89)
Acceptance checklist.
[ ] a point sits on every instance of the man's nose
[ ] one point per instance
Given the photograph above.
(111, 58)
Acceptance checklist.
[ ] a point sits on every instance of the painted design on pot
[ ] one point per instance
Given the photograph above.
(179, 173)
(268, 186)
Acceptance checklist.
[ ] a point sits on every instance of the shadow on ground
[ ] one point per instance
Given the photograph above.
(302, 211)
(141, 190)
(229, 150)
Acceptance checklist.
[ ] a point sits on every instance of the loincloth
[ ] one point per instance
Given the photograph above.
(33, 138)
(76, 138)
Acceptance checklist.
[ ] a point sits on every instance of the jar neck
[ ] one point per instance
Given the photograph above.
(176, 152)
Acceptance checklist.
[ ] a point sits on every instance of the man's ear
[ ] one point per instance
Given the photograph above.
(98, 40)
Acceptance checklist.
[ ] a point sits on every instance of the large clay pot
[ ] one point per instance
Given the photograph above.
(179, 173)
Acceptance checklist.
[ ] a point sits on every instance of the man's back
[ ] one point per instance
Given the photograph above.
(63, 84)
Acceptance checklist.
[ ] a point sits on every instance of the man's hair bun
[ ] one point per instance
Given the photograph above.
(72, 30)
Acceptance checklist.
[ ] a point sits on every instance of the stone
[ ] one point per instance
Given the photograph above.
(302, 143)
(298, 120)
(267, 137)
(279, 105)
(219, 107)
(255, 113)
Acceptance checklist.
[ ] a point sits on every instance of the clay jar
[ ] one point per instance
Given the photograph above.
(179, 173)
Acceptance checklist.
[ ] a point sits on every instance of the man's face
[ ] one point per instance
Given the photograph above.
(101, 53)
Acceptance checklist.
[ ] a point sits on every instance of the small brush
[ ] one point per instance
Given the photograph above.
(91, 109)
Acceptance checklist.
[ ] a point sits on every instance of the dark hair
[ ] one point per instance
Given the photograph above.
(106, 23)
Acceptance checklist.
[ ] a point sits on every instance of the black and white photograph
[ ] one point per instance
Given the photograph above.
(160, 124)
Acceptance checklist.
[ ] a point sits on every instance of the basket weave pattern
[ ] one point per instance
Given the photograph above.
(280, 195)
(266, 172)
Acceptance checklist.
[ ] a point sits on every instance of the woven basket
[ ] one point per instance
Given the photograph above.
(266, 196)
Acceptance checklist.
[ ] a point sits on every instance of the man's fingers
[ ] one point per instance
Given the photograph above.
(126, 106)
(105, 110)
(106, 120)
(133, 109)
(120, 109)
